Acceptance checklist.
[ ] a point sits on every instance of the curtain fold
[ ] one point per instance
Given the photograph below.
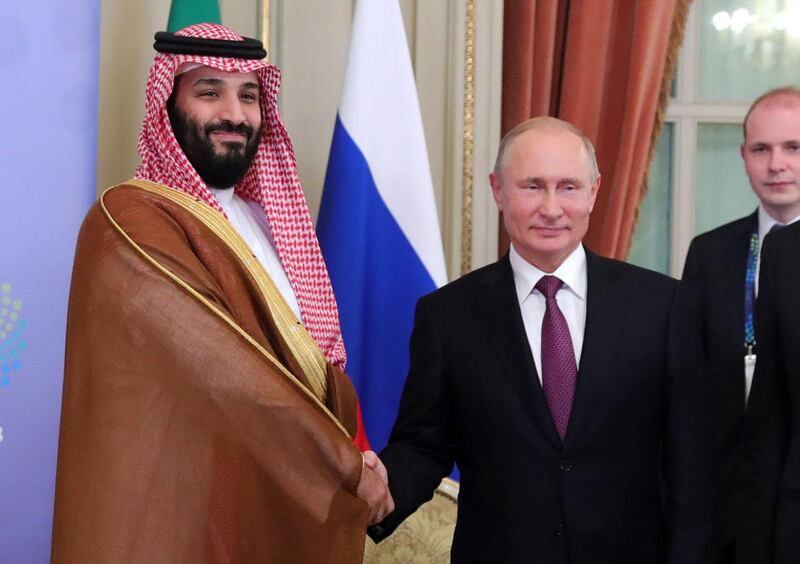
(532, 50)
(604, 65)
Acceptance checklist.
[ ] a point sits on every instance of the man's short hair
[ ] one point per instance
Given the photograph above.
(782, 92)
(545, 122)
(174, 94)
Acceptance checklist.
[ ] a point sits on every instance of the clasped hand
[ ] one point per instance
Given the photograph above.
(374, 488)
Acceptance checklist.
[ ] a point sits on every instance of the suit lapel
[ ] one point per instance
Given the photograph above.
(737, 249)
(507, 336)
(605, 318)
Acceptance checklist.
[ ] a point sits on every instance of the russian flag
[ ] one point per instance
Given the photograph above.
(377, 225)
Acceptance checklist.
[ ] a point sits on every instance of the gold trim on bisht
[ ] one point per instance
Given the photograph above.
(300, 343)
(467, 150)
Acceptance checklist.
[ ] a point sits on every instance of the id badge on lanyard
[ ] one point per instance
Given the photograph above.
(749, 369)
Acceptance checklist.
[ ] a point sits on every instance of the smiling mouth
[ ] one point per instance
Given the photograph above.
(549, 230)
(783, 185)
(228, 136)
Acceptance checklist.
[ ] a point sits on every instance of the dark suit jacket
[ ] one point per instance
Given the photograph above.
(773, 434)
(715, 267)
(472, 397)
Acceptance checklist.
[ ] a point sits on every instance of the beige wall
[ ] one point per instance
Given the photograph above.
(309, 40)
(312, 56)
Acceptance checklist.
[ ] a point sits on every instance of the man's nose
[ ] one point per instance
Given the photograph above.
(232, 110)
(550, 206)
(777, 160)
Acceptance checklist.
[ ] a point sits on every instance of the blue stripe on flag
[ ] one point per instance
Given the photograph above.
(377, 278)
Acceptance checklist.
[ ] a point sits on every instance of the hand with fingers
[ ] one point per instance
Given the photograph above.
(374, 488)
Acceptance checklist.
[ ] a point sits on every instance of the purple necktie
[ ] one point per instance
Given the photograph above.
(559, 371)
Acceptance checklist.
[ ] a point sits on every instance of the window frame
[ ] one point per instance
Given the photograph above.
(686, 113)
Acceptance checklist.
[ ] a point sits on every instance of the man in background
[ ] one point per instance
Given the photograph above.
(566, 387)
(723, 265)
(205, 416)
(772, 440)
(772, 458)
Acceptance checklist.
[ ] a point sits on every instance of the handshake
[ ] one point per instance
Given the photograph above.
(374, 488)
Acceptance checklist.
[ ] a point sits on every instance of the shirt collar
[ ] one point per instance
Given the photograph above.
(223, 195)
(572, 272)
(766, 221)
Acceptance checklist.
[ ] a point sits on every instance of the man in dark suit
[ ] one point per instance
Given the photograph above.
(772, 443)
(722, 265)
(772, 459)
(565, 385)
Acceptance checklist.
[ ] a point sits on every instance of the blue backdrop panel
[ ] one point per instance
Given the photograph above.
(49, 55)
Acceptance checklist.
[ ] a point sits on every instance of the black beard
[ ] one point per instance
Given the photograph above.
(217, 170)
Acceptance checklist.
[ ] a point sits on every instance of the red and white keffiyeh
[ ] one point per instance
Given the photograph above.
(272, 181)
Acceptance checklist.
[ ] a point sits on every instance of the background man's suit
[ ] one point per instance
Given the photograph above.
(473, 397)
(773, 447)
(715, 267)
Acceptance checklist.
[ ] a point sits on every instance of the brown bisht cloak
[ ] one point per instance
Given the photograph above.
(194, 428)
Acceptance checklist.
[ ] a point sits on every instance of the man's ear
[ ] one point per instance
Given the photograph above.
(494, 182)
(594, 189)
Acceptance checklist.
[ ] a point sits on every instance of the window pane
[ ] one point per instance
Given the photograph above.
(747, 47)
(650, 247)
(722, 192)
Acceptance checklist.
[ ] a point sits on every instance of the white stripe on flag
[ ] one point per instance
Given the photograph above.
(380, 110)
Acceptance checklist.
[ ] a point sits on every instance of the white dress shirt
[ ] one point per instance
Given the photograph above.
(571, 298)
(248, 218)
(765, 223)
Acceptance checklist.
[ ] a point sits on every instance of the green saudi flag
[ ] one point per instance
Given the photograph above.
(187, 12)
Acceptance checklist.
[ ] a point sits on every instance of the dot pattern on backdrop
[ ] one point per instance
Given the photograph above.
(12, 328)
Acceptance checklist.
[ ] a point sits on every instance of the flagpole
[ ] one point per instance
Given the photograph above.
(265, 26)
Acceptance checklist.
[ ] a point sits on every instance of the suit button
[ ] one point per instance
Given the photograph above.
(565, 466)
(561, 530)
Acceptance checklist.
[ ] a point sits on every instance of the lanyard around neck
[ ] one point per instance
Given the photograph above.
(750, 293)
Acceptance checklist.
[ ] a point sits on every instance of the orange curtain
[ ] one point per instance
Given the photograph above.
(606, 66)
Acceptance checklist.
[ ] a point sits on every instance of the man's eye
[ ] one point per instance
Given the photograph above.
(249, 97)
(758, 149)
(208, 94)
(794, 147)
